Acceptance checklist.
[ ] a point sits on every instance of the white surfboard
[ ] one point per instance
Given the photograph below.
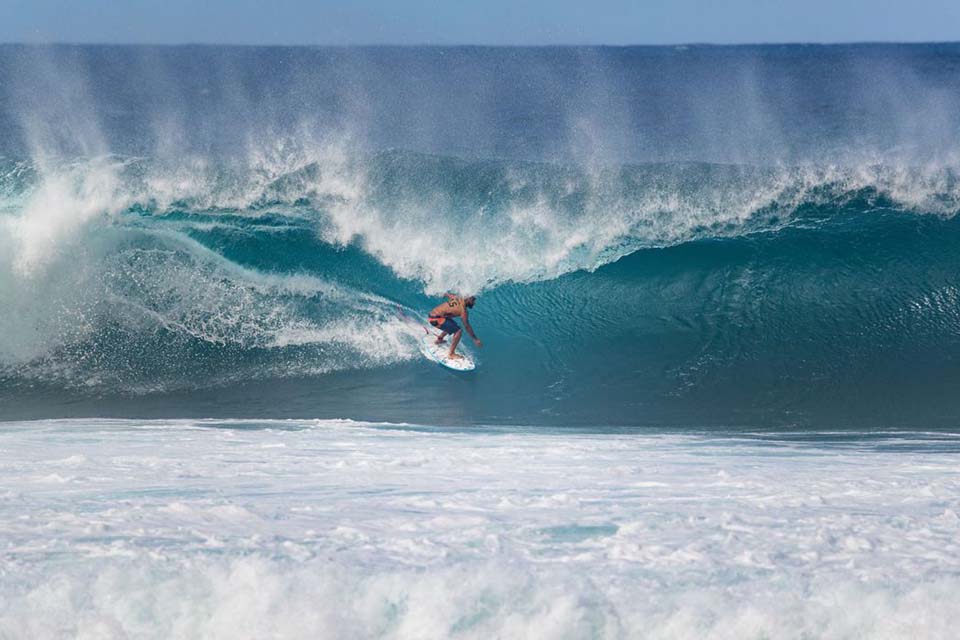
(439, 353)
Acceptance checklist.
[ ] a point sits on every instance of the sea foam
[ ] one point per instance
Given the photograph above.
(242, 529)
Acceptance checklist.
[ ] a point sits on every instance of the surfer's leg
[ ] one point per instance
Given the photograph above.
(453, 345)
(441, 337)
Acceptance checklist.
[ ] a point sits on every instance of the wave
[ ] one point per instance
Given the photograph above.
(229, 598)
(451, 222)
(677, 287)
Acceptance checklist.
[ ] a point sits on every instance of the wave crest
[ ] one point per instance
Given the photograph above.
(125, 272)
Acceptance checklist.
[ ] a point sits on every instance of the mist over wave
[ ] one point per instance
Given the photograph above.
(744, 234)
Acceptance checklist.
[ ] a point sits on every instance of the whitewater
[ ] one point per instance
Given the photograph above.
(716, 286)
(306, 529)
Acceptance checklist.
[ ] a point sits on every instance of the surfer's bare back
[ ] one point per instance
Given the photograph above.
(442, 317)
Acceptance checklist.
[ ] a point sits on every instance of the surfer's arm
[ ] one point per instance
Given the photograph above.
(466, 325)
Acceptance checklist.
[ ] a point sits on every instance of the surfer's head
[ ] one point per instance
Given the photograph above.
(469, 301)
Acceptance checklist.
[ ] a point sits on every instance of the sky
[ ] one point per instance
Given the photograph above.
(494, 22)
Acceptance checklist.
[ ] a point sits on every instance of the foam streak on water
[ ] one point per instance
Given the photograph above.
(214, 529)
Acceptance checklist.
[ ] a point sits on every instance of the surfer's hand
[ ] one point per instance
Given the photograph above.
(477, 342)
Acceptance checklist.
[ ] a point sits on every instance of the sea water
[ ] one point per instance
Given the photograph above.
(717, 290)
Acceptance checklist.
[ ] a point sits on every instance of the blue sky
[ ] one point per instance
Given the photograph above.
(531, 22)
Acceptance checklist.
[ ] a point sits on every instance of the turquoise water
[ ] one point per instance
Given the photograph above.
(717, 290)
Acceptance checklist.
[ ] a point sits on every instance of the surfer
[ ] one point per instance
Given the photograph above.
(442, 317)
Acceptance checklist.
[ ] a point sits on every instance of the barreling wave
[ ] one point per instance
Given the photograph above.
(626, 294)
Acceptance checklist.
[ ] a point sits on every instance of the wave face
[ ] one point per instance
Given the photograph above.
(707, 235)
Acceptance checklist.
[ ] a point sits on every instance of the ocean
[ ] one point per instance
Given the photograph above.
(717, 288)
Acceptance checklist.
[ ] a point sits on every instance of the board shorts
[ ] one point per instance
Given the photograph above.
(447, 325)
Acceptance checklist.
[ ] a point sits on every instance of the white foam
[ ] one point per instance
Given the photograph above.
(534, 238)
(90, 277)
(57, 210)
(209, 529)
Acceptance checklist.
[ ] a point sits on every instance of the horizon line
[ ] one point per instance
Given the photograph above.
(387, 45)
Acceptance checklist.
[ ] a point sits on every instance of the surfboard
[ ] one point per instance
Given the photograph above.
(439, 353)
